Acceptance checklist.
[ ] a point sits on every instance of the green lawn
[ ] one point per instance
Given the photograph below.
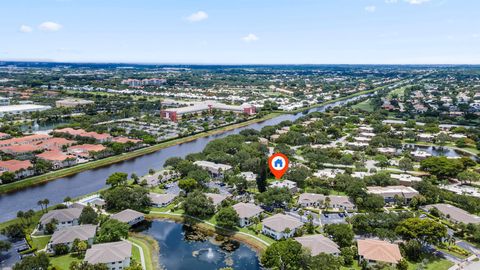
(399, 91)
(148, 250)
(63, 262)
(364, 106)
(435, 264)
(40, 242)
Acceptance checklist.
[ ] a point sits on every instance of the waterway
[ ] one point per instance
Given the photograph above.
(177, 253)
(92, 180)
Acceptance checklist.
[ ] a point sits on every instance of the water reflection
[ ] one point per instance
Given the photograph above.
(178, 253)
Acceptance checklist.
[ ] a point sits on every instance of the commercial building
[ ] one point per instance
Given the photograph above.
(72, 102)
(22, 108)
(175, 114)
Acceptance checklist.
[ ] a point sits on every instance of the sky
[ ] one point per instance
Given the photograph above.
(242, 31)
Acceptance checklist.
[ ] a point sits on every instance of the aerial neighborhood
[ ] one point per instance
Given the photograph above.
(374, 180)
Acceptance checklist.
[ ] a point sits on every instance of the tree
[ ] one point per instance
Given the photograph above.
(88, 216)
(7, 177)
(188, 184)
(342, 234)
(405, 164)
(60, 249)
(427, 231)
(127, 197)
(51, 226)
(4, 246)
(275, 197)
(77, 265)
(112, 230)
(227, 217)
(198, 205)
(382, 161)
(286, 254)
(324, 261)
(372, 202)
(402, 265)
(468, 176)
(348, 255)
(442, 139)
(13, 231)
(79, 246)
(39, 262)
(262, 176)
(117, 178)
(442, 167)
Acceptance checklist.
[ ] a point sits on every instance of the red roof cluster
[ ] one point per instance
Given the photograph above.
(54, 155)
(14, 165)
(83, 133)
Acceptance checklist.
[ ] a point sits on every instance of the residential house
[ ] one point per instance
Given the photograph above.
(290, 185)
(161, 200)
(58, 158)
(115, 255)
(406, 179)
(319, 200)
(246, 212)
(65, 218)
(215, 169)
(217, 199)
(85, 150)
(67, 235)
(377, 251)
(389, 192)
(454, 214)
(280, 226)
(21, 168)
(129, 216)
(318, 243)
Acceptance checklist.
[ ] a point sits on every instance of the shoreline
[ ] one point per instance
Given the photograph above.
(254, 244)
(51, 176)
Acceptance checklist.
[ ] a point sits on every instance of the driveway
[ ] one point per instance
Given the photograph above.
(9, 258)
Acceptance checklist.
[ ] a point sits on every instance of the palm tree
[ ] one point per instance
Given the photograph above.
(46, 202)
(40, 203)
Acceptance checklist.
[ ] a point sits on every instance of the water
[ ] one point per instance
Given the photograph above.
(177, 254)
(93, 180)
(438, 151)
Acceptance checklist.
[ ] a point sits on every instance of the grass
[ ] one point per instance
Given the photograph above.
(364, 106)
(40, 242)
(433, 263)
(150, 249)
(63, 262)
(399, 91)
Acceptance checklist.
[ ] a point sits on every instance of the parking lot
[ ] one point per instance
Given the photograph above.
(333, 218)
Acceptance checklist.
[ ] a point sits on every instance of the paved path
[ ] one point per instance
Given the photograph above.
(142, 255)
(211, 224)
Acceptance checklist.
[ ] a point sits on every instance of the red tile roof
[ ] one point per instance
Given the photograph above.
(20, 149)
(25, 140)
(83, 133)
(125, 140)
(84, 149)
(14, 165)
(378, 250)
(54, 155)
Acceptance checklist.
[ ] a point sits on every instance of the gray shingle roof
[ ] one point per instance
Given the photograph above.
(127, 215)
(109, 252)
(69, 234)
(61, 215)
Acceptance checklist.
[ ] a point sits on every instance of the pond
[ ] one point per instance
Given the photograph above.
(177, 253)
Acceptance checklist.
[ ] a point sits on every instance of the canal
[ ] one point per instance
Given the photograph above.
(92, 180)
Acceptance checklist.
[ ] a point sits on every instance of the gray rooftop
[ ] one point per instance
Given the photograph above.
(69, 234)
(127, 215)
(318, 244)
(109, 252)
(61, 215)
(455, 213)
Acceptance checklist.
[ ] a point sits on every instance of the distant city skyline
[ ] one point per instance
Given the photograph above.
(242, 32)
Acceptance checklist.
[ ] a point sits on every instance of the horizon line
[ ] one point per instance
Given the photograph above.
(228, 64)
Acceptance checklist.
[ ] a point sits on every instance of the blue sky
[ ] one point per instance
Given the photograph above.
(242, 31)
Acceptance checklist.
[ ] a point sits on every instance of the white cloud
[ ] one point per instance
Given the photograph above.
(475, 35)
(416, 2)
(250, 38)
(50, 26)
(198, 16)
(370, 8)
(391, 1)
(25, 29)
